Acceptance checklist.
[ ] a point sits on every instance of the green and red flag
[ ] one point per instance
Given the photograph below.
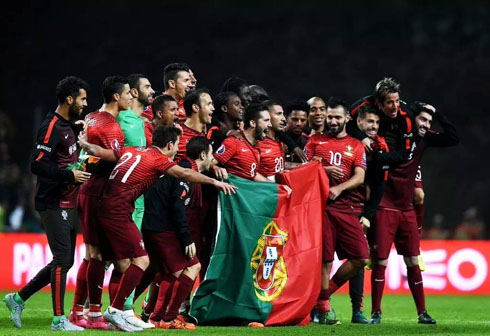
(266, 264)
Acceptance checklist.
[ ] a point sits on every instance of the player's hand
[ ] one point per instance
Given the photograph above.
(225, 187)
(317, 158)
(334, 192)
(430, 107)
(367, 144)
(334, 172)
(300, 154)
(365, 222)
(84, 144)
(80, 176)
(288, 189)
(220, 173)
(80, 124)
(190, 251)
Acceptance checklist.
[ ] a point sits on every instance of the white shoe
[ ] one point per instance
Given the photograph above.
(65, 325)
(115, 316)
(15, 309)
(135, 321)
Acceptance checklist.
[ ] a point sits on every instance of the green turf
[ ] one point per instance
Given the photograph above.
(456, 315)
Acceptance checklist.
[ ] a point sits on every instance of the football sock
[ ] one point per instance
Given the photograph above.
(18, 299)
(128, 304)
(377, 286)
(416, 284)
(56, 319)
(356, 290)
(129, 280)
(152, 300)
(114, 284)
(165, 292)
(81, 286)
(95, 280)
(182, 288)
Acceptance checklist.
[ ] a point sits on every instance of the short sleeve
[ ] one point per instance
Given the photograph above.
(360, 156)
(226, 151)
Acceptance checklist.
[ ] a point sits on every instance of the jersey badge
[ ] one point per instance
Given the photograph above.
(268, 265)
(221, 149)
(349, 151)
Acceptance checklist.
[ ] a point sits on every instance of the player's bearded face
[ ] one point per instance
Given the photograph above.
(336, 120)
(76, 108)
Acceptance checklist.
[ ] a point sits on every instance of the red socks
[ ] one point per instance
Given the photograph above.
(95, 280)
(377, 286)
(81, 286)
(182, 288)
(416, 284)
(129, 281)
(165, 293)
(114, 284)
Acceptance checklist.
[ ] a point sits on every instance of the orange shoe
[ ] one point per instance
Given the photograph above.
(176, 324)
(155, 323)
(256, 325)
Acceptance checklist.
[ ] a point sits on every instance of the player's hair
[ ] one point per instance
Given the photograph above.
(134, 80)
(296, 105)
(418, 107)
(165, 134)
(171, 72)
(196, 146)
(112, 85)
(384, 87)
(70, 87)
(258, 93)
(159, 103)
(233, 84)
(191, 98)
(335, 102)
(252, 112)
(365, 109)
(267, 104)
(221, 100)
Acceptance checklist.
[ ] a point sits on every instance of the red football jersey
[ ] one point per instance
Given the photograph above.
(102, 130)
(239, 157)
(271, 156)
(345, 153)
(400, 186)
(187, 134)
(136, 170)
(182, 116)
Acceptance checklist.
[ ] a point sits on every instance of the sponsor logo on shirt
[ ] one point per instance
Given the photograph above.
(44, 148)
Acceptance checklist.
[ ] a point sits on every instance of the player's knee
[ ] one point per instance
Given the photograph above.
(381, 262)
(419, 196)
(411, 261)
(142, 262)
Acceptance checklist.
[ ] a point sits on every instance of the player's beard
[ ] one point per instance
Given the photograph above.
(338, 130)
(259, 133)
(74, 112)
(145, 101)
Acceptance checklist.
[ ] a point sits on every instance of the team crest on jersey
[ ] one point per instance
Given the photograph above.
(115, 144)
(221, 149)
(349, 151)
(270, 273)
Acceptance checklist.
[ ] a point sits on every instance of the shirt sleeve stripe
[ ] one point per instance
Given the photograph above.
(50, 129)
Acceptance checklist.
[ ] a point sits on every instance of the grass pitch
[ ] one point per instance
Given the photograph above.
(455, 315)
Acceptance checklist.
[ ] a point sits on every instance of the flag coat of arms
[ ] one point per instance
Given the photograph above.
(266, 263)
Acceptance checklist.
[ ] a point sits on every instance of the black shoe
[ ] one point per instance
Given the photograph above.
(314, 315)
(358, 317)
(425, 318)
(375, 318)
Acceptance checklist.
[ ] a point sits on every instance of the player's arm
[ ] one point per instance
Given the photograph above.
(96, 150)
(355, 181)
(292, 145)
(449, 136)
(178, 197)
(191, 176)
(43, 160)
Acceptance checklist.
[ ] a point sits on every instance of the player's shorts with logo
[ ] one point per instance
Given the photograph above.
(164, 248)
(342, 231)
(120, 239)
(395, 226)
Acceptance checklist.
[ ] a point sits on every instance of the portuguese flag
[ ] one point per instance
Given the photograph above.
(266, 264)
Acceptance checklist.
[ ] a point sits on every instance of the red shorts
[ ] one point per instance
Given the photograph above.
(88, 206)
(343, 232)
(166, 251)
(120, 239)
(395, 226)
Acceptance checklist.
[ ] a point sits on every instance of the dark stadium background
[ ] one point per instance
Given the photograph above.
(439, 52)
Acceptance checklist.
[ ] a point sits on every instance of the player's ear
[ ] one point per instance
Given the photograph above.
(224, 108)
(134, 92)
(116, 96)
(202, 156)
(195, 108)
(252, 123)
(171, 83)
(159, 114)
(69, 100)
